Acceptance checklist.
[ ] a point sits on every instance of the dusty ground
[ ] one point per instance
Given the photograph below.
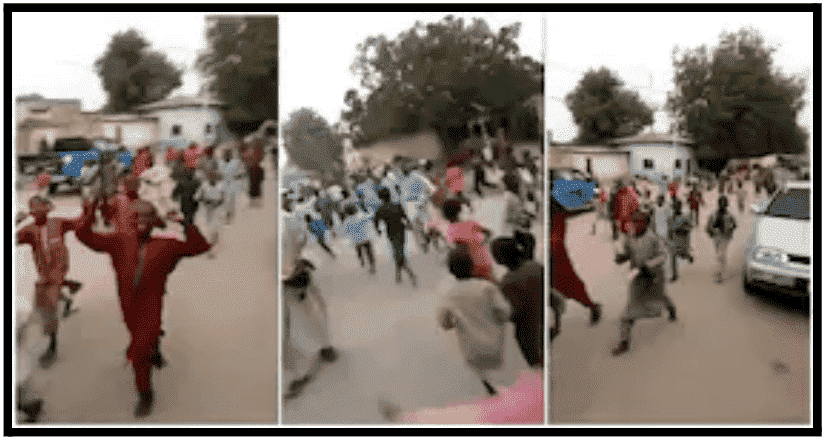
(221, 323)
(722, 362)
(390, 345)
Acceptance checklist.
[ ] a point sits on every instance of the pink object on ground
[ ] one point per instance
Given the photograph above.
(522, 403)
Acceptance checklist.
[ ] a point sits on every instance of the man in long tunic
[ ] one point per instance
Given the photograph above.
(142, 264)
(647, 253)
(231, 168)
(46, 237)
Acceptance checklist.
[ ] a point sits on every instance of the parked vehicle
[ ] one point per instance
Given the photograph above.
(74, 152)
(778, 259)
(571, 174)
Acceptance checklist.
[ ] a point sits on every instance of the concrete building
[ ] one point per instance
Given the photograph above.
(130, 130)
(182, 120)
(602, 162)
(655, 155)
(39, 122)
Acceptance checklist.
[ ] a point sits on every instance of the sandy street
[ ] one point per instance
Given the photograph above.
(389, 342)
(730, 358)
(220, 319)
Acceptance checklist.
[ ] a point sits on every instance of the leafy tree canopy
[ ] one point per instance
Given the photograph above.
(242, 67)
(439, 75)
(733, 102)
(311, 143)
(604, 110)
(133, 74)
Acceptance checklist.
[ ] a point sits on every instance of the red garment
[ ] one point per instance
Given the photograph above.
(695, 199)
(455, 180)
(627, 203)
(171, 155)
(253, 154)
(471, 234)
(191, 157)
(141, 162)
(120, 209)
(52, 264)
(672, 189)
(43, 180)
(141, 303)
(563, 277)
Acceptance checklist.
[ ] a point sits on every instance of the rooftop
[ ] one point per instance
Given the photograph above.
(652, 137)
(181, 102)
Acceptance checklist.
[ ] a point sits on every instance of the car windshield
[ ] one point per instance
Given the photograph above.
(793, 203)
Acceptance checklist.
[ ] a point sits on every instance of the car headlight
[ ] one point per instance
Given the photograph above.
(770, 255)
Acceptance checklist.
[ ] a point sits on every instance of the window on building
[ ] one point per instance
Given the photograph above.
(588, 165)
(678, 164)
(208, 128)
(648, 164)
(176, 130)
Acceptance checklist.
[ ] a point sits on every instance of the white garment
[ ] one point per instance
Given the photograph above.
(472, 304)
(156, 187)
(294, 238)
(210, 196)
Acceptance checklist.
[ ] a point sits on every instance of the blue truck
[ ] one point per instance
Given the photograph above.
(74, 152)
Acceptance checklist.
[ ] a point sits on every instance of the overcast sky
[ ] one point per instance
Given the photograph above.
(637, 46)
(53, 54)
(315, 64)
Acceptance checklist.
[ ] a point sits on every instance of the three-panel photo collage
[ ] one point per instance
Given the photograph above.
(406, 219)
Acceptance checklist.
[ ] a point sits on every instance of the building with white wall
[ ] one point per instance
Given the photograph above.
(655, 155)
(130, 130)
(602, 162)
(182, 120)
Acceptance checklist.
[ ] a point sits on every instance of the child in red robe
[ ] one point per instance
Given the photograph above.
(46, 237)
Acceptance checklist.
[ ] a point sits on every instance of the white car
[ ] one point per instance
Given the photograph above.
(778, 259)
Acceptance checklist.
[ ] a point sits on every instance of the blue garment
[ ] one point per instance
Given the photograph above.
(317, 227)
(413, 187)
(359, 228)
(368, 191)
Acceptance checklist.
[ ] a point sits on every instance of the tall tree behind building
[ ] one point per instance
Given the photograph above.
(734, 103)
(241, 66)
(133, 74)
(439, 76)
(311, 143)
(604, 110)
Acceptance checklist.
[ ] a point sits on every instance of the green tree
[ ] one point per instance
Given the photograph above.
(311, 144)
(439, 75)
(242, 67)
(603, 109)
(734, 103)
(133, 74)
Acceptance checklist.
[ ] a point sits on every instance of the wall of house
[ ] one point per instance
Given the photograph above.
(424, 145)
(664, 158)
(192, 122)
(133, 133)
(604, 165)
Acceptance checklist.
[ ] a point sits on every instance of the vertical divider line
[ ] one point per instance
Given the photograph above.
(545, 232)
(278, 224)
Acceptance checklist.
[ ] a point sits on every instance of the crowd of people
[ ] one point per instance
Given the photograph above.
(121, 208)
(429, 200)
(651, 231)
